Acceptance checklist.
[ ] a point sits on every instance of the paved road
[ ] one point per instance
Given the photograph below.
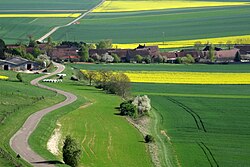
(72, 22)
(19, 142)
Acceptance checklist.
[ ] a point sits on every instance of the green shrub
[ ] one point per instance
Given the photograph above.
(149, 139)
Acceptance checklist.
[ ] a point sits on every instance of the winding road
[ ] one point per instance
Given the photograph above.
(19, 142)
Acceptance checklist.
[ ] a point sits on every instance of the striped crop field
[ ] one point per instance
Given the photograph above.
(128, 6)
(54, 15)
(169, 24)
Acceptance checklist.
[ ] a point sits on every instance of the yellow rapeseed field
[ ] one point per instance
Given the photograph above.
(127, 6)
(245, 39)
(3, 77)
(61, 15)
(189, 77)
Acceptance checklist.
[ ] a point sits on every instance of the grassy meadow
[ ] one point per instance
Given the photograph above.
(177, 27)
(19, 100)
(201, 125)
(106, 138)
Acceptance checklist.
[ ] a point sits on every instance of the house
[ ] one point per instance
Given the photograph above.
(169, 57)
(226, 55)
(65, 53)
(244, 49)
(18, 63)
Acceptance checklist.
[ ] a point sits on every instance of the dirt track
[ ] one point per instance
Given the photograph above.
(19, 142)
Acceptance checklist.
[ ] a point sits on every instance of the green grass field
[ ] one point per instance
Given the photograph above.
(207, 124)
(106, 139)
(148, 26)
(221, 133)
(18, 101)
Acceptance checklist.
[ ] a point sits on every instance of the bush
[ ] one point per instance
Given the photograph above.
(127, 108)
(71, 152)
(149, 139)
(19, 77)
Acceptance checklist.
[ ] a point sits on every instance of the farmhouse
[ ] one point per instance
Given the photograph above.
(62, 53)
(18, 63)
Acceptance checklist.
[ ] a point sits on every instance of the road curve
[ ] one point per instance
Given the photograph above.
(72, 22)
(19, 142)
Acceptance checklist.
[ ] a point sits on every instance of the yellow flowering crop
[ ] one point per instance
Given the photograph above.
(60, 15)
(3, 77)
(189, 77)
(244, 39)
(127, 6)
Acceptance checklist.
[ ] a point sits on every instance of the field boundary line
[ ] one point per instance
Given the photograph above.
(41, 39)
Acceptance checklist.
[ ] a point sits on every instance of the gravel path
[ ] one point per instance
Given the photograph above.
(19, 142)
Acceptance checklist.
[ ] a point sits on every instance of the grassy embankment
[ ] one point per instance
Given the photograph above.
(209, 121)
(106, 138)
(19, 100)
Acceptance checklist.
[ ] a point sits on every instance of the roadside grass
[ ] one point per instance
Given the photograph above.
(19, 100)
(106, 138)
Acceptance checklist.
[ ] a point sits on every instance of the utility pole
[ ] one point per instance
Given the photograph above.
(163, 36)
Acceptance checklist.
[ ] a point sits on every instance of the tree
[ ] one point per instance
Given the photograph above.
(147, 59)
(104, 44)
(142, 103)
(32, 42)
(117, 59)
(107, 58)
(229, 44)
(36, 51)
(71, 152)
(19, 77)
(188, 59)
(89, 75)
(29, 56)
(2, 49)
(159, 59)
(127, 108)
(149, 139)
(211, 53)
(119, 84)
(96, 57)
(178, 60)
(198, 46)
(138, 58)
(237, 57)
(84, 54)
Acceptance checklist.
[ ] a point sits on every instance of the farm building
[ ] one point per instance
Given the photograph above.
(18, 63)
(65, 53)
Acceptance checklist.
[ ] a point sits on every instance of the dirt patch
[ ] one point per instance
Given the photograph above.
(53, 142)
(143, 125)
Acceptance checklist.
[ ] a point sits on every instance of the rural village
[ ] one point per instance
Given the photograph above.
(118, 83)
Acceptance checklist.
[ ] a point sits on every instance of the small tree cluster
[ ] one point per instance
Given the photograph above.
(19, 77)
(115, 83)
(139, 106)
(71, 152)
(188, 59)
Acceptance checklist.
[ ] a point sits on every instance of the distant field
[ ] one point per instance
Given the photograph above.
(46, 5)
(37, 18)
(128, 6)
(176, 27)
